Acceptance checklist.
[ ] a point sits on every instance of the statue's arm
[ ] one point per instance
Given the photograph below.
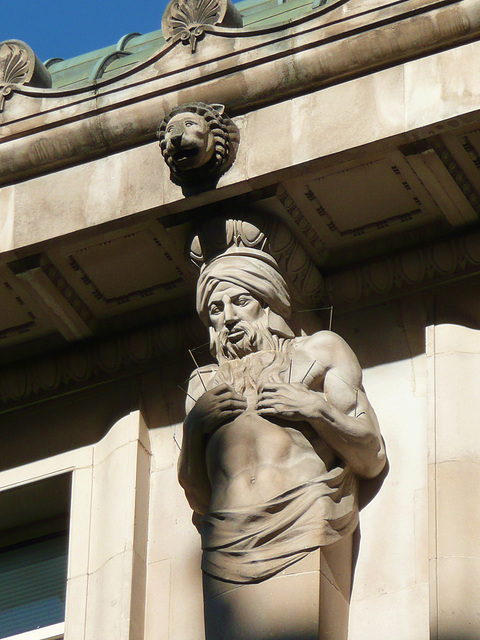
(341, 414)
(353, 432)
(192, 470)
(210, 411)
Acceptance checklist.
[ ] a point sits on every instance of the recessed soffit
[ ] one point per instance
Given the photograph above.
(368, 240)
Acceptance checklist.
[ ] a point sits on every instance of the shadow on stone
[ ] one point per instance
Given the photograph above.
(451, 635)
(370, 488)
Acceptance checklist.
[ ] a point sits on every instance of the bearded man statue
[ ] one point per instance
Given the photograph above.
(275, 440)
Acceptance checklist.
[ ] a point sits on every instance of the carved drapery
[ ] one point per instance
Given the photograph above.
(263, 514)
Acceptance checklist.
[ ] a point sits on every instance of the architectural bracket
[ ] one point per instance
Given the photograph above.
(56, 297)
(263, 234)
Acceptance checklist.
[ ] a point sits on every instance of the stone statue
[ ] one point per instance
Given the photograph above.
(198, 142)
(275, 439)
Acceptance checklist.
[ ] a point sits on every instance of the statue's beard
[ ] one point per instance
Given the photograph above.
(256, 337)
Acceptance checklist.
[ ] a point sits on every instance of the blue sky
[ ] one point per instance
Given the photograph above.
(67, 28)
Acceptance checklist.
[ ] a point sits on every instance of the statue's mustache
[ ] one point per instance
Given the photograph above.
(242, 326)
(234, 348)
(230, 343)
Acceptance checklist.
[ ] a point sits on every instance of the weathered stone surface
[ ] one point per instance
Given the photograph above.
(360, 127)
(274, 439)
(188, 20)
(308, 55)
(199, 144)
(20, 66)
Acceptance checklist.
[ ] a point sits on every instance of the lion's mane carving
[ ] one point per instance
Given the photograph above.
(198, 142)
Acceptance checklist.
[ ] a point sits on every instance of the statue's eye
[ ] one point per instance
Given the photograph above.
(170, 128)
(214, 309)
(189, 123)
(242, 301)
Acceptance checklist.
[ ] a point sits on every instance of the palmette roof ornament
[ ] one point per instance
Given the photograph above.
(188, 20)
(20, 66)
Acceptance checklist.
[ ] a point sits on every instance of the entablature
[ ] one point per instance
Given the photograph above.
(364, 145)
(43, 129)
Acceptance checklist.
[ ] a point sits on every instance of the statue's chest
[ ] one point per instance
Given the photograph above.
(247, 375)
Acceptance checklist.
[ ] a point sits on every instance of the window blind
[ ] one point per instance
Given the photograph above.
(33, 578)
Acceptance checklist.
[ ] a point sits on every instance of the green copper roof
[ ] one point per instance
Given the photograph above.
(133, 48)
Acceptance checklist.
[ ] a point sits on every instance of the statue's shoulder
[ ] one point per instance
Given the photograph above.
(198, 383)
(321, 340)
(332, 350)
(200, 377)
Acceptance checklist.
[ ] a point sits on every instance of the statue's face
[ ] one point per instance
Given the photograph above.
(189, 141)
(234, 315)
(229, 304)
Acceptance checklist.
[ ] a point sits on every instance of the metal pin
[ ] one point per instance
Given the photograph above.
(290, 372)
(197, 372)
(310, 368)
(175, 440)
(321, 309)
(186, 392)
(200, 346)
(315, 309)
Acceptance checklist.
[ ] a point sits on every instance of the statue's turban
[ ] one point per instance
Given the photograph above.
(254, 270)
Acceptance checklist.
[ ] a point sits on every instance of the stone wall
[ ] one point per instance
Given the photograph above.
(135, 554)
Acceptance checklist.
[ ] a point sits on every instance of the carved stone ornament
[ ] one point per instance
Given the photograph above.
(80, 367)
(199, 144)
(218, 235)
(276, 436)
(20, 66)
(187, 20)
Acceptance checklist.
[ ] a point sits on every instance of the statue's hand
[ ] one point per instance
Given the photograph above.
(215, 408)
(292, 401)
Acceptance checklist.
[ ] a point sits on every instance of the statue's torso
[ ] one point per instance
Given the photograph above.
(252, 458)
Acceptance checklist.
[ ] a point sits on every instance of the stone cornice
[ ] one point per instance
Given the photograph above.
(419, 269)
(93, 363)
(43, 129)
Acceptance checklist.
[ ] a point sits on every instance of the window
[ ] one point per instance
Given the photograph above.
(33, 557)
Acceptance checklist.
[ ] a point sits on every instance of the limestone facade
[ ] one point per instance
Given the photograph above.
(359, 129)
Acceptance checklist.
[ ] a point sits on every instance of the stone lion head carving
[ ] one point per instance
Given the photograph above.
(198, 142)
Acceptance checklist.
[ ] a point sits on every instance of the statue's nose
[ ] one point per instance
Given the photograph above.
(230, 316)
(230, 323)
(176, 138)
